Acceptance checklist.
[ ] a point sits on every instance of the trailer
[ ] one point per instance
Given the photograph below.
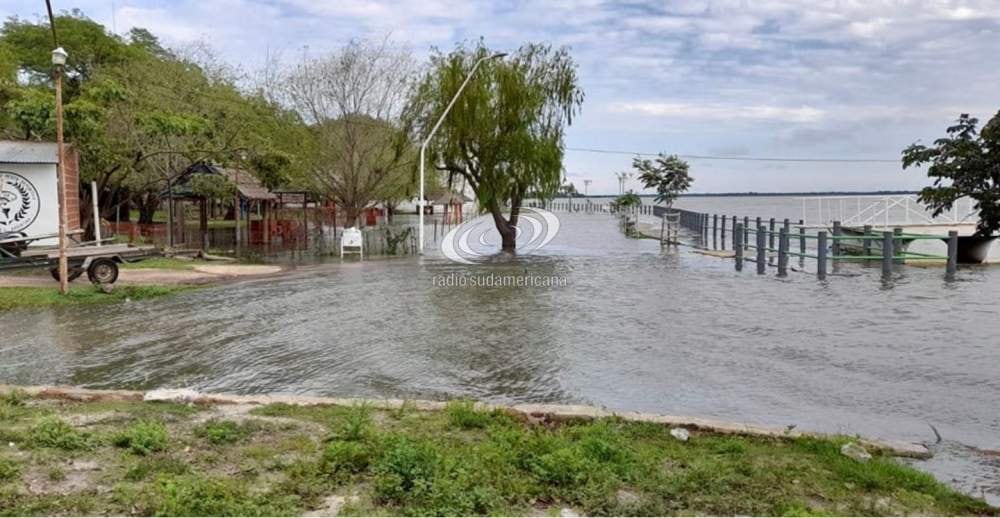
(99, 261)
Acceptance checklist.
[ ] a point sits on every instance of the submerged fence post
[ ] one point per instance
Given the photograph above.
(746, 231)
(761, 251)
(802, 243)
(738, 246)
(952, 268)
(783, 252)
(715, 231)
(836, 242)
(821, 255)
(866, 243)
(770, 235)
(887, 253)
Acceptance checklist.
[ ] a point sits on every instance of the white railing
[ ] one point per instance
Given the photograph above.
(883, 211)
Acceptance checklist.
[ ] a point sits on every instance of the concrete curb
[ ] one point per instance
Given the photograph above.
(529, 412)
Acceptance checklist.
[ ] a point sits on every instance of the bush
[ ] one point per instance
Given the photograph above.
(407, 466)
(191, 495)
(357, 424)
(9, 470)
(13, 398)
(226, 432)
(55, 433)
(345, 457)
(143, 437)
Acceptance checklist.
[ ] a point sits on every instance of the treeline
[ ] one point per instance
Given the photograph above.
(140, 114)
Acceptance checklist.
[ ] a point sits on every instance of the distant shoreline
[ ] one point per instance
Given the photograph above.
(760, 194)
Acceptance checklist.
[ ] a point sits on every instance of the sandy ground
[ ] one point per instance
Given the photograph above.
(206, 274)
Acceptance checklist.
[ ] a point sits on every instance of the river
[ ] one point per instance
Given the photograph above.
(628, 327)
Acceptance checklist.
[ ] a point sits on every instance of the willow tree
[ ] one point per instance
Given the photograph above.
(504, 136)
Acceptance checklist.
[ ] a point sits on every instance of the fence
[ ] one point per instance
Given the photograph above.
(826, 248)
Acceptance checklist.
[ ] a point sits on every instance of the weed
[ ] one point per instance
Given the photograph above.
(464, 414)
(346, 457)
(9, 469)
(13, 398)
(55, 433)
(56, 474)
(143, 437)
(155, 465)
(191, 495)
(407, 466)
(357, 424)
(226, 432)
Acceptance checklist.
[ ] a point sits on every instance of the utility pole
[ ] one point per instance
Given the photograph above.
(58, 61)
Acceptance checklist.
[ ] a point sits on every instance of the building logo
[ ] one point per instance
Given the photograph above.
(19, 203)
(479, 237)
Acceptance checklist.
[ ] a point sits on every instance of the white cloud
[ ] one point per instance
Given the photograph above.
(720, 112)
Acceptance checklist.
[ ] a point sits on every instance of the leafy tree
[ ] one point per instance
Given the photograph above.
(966, 163)
(626, 201)
(361, 150)
(667, 174)
(568, 189)
(504, 136)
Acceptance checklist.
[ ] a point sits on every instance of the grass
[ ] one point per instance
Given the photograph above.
(285, 460)
(36, 297)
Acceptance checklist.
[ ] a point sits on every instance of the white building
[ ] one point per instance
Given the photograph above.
(29, 188)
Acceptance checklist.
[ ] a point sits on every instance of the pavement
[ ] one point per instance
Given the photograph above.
(204, 274)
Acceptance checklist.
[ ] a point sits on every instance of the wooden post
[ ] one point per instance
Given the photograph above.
(746, 231)
(203, 223)
(952, 268)
(887, 253)
(783, 252)
(738, 246)
(770, 234)
(761, 250)
(802, 242)
(821, 255)
(836, 242)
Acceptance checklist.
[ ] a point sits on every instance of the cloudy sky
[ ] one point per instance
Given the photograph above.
(814, 79)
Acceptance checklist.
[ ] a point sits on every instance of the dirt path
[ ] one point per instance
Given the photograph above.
(206, 274)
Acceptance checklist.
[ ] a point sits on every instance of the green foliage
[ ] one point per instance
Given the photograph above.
(394, 238)
(56, 433)
(212, 186)
(192, 495)
(13, 398)
(667, 174)
(357, 424)
(406, 468)
(626, 201)
(143, 438)
(505, 135)
(464, 414)
(9, 469)
(15, 298)
(966, 163)
(346, 457)
(227, 432)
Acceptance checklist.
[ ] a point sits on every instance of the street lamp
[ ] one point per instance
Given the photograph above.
(59, 56)
(423, 147)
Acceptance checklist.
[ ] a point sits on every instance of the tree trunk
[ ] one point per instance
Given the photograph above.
(147, 208)
(508, 232)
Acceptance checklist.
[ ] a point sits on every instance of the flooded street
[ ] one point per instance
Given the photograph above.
(632, 328)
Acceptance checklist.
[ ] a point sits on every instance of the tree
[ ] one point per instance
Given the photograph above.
(966, 163)
(626, 201)
(667, 174)
(569, 190)
(354, 99)
(504, 136)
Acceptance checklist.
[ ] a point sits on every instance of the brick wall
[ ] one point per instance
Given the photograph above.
(71, 175)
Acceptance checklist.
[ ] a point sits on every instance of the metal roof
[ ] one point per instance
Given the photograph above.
(25, 152)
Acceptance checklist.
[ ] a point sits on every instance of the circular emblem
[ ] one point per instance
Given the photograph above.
(19, 202)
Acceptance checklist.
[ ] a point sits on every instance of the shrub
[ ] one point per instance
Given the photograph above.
(226, 432)
(191, 495)
(13, 398)
(406, 467)
(55, 433)
(357, 424)
(9, 469)
(143, 437)
(345, 457)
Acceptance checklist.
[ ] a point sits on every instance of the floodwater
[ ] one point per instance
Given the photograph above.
(625, 325)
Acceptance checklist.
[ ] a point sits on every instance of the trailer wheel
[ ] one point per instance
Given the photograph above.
(74, 273)
(103, 271)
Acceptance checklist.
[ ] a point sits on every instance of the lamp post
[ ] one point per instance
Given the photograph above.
(423, 147)
(58, 61)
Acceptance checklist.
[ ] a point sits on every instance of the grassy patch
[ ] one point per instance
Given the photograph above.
(34, 297)
(143, 438)
(459, 461)
(227, 432)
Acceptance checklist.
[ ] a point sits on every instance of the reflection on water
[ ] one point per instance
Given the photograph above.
(634, 328)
